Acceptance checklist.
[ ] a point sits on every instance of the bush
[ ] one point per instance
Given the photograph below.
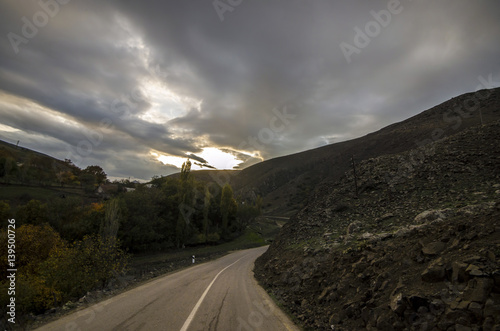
(85, 265)
(5, 212)
(33, 294)
(50, 271)
(213, 238)
(34, 244)
(34, 212)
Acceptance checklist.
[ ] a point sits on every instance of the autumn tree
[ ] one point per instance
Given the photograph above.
(34, 212)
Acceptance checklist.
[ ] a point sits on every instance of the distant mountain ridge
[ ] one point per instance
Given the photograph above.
(285, 183)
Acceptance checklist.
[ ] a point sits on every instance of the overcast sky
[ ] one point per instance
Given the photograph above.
(132, 85)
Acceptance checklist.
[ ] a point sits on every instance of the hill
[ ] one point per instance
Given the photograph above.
(26, 174)
(418, 245)
(19, 164)
(285, 183)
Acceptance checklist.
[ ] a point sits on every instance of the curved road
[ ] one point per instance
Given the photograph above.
(217, 295)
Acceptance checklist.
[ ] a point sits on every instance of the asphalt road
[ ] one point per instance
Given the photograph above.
(218, 295)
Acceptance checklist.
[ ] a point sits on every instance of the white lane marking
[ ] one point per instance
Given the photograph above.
(198, 304)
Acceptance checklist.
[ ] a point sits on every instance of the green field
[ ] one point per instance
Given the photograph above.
(21, 194)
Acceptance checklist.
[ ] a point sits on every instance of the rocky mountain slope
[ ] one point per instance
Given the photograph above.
(286, 183)
(418, 246)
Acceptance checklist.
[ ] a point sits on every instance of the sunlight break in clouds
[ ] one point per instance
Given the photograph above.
(214, 157)
(165, 104)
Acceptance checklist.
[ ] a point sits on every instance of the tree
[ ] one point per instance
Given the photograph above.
(228, 208)
(185, 170)
(206, 210)
(112, 216)
(186, 209)
(8, 168)
(88, 181)
(97, 172)
(143, 225)
(248, 211)
(34, 212)
(67, 217)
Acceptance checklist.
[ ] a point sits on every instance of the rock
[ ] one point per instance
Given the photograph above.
(384, 217)
(432, 216)
(417, 302)
(397, 304)
(459, 327)
(473, 271)
(354, 227)
(69, 305)
(459, 273)
(385, 321)
(476, 309)
(496, 279)
(51, 311)
(473, 259)
(433, 248)
(435, 272)
(478, 289)
(488, 323)
(491, 309)
(436, 307)
(325, 292)
(463, 305)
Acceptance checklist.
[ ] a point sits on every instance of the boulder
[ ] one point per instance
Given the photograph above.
(432, 215)
(478, 289)
(433, 248)
(398, 304)
(435, 272)
(459, 274)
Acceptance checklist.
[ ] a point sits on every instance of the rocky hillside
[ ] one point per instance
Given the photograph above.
(414, 245)
(286, 183)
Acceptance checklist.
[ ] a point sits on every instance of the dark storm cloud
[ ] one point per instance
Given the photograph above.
(92, 63)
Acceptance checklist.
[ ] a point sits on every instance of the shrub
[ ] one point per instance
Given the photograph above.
(83, 266)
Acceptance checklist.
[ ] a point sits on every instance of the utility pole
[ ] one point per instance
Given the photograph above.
(355, 177)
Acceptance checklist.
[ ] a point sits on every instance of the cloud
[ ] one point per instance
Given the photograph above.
(172, 78)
